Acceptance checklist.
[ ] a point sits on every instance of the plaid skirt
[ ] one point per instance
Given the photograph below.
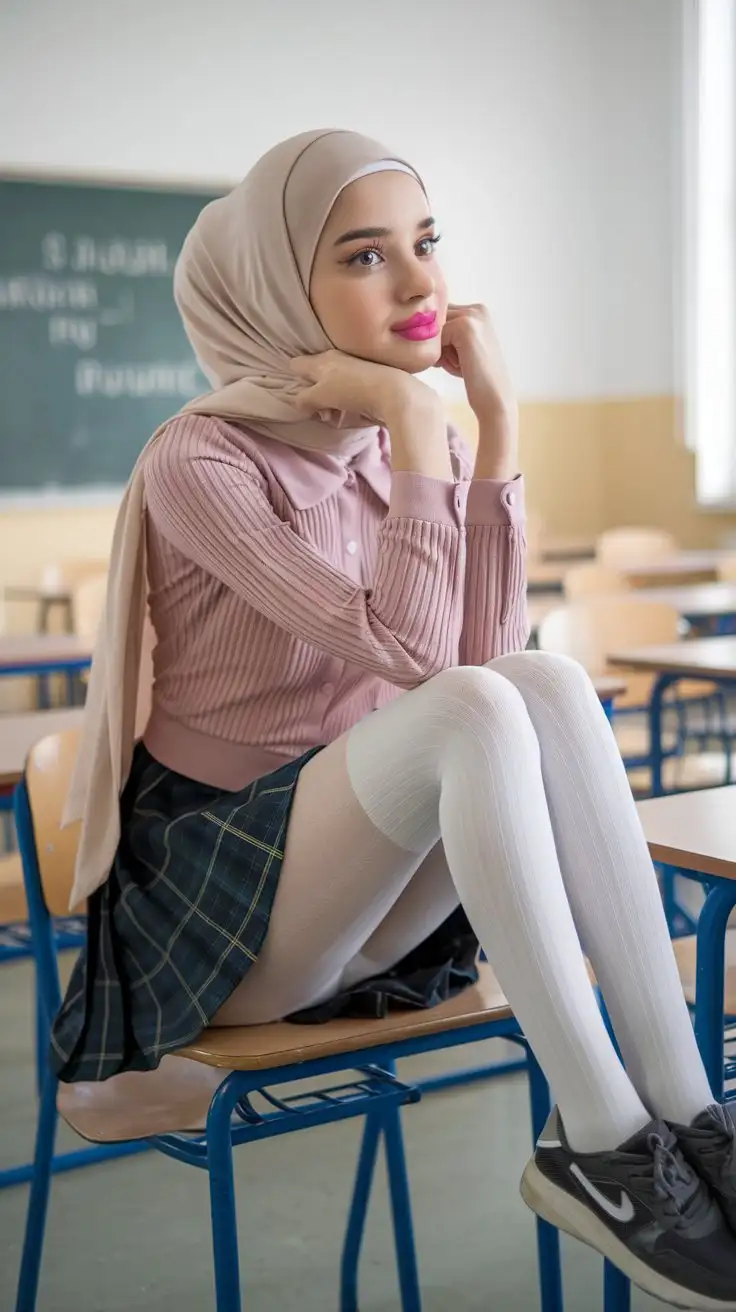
(183, 915)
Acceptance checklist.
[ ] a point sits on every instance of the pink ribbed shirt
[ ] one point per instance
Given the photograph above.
(293, 592)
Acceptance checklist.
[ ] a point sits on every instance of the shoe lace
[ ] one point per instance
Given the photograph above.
(720, 1145)
(668, 1178)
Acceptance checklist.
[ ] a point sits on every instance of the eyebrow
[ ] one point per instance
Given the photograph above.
(359, 234)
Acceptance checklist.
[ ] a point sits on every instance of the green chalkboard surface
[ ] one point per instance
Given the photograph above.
(93, 355)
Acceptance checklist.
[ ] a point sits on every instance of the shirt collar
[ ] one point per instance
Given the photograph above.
(311, 477)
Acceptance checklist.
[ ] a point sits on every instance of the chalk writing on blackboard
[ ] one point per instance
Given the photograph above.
(111, 380)
(139, 257)
(77, 310)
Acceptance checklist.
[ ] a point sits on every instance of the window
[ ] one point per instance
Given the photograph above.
(710, 83)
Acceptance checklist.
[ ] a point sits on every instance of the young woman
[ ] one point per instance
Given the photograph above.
(346, 740)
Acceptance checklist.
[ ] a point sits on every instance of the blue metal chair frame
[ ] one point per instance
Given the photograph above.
(16, 942)
(376, 1094)
(709, 1020)
(656, 714)
(71, 667)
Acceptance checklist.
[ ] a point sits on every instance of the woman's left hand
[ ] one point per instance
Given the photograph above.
(470, 351)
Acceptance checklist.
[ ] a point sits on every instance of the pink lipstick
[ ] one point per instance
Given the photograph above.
(419, 328)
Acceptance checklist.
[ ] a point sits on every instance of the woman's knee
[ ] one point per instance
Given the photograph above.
(466, 693)
(549, 674)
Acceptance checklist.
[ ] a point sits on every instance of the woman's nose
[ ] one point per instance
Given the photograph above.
(416, 281)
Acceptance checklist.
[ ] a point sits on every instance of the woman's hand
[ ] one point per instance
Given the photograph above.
(335, 381)
(411, 411)
(470, 350)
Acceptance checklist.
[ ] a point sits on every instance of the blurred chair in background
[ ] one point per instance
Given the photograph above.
(593, 580)
(727, 569)
(621, 547)
(88, 600)
(590, 629)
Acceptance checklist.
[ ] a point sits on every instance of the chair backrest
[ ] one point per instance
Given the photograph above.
(727, 569)
(591, 628)
(48, 771)
(88, 602)
(593, 580)
(620, 547)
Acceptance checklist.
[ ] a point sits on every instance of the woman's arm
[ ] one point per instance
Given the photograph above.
(214, 508)
(496, 619)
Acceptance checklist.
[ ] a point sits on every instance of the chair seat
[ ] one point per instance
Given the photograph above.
(692, 771)
(256, 1047)
(686, 954)
(13, 905)
(175, 1097)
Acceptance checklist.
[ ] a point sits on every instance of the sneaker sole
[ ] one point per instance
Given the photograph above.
(561, 1210)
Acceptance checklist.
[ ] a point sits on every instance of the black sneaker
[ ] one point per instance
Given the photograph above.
(709, 1145)
(642, 1207)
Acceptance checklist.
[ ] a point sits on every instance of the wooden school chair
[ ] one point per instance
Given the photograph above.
(16, 942)
(727, 569)
(592, 627)
(618, 548)
(593, 580)
(222, 1090)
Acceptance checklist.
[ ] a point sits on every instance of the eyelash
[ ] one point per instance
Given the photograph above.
(380, 249)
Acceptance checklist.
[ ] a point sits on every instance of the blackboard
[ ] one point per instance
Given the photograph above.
(93, 356)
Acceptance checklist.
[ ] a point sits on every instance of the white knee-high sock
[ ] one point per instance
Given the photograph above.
(459, 758)
(611, 883)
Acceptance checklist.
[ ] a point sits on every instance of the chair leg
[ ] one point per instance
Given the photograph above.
(548, 1238)
(41, 1039)
(222, 1209)
(30, 1266)
(356, 1217)
(398, 1180)
(616, 1290)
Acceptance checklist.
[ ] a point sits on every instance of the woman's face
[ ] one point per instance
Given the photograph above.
(376, 270)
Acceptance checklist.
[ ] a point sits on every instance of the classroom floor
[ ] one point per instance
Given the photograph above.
(134, 1234)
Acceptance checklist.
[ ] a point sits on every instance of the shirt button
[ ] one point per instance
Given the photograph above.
(351, 547)
(328, 689)
(511, 497)
(350, 481)
(458, 501)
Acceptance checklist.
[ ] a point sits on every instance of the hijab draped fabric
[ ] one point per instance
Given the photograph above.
(242, 288)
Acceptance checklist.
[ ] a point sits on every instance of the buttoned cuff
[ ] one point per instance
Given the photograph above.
(415, 496)
(496, 501)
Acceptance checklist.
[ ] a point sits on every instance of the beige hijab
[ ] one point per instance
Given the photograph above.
(242, 287)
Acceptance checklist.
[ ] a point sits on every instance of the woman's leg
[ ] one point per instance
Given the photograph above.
(457, 758)
(610, 883)
(349, 903)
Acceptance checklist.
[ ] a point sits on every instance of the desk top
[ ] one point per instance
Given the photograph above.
(679, 565)
(696, 831)
(696, 599)
(706, 656)
(554, 547)
(37, 648)
(18, 733)
(608, 685)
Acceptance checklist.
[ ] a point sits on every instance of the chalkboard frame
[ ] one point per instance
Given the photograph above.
(96, 496)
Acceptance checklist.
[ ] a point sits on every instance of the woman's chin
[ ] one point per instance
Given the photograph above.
(415, 357)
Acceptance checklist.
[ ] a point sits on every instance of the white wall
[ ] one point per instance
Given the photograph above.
(545, 129)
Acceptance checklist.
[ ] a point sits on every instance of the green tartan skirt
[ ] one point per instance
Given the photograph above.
(178, 923)
(183, 916)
